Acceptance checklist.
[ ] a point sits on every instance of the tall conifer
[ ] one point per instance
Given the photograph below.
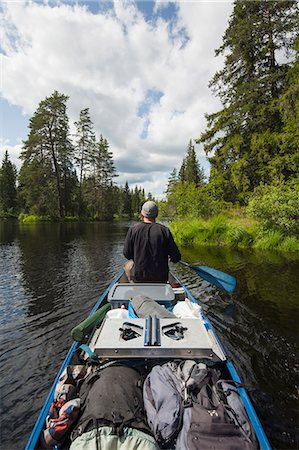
(8, 192)
(190, 170)
(84, 148)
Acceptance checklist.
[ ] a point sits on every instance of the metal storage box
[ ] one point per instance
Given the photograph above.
(122, 293)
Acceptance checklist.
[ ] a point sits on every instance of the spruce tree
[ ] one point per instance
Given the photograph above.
(8, 191)
(138, 199)
(127, 201)
(103, 174)
(190, 171)
(172, 182)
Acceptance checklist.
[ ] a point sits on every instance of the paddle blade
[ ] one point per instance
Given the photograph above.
(216, 277)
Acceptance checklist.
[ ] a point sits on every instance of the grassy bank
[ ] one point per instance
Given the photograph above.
(235, 232)
(30, 218)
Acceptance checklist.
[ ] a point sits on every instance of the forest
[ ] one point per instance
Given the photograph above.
(251, 197)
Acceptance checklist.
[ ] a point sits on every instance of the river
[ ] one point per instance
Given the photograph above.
(51, 275)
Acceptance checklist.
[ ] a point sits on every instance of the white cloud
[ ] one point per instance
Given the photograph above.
(13, 152)
(108, 62)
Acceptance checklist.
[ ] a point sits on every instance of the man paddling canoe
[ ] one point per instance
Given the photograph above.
(149, 245)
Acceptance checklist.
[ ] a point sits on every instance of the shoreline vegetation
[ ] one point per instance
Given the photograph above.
(232, 229)
(224, 231)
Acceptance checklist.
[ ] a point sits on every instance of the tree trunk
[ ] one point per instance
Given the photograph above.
(60, 198)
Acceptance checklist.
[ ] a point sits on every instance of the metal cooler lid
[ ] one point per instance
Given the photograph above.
(155, 291)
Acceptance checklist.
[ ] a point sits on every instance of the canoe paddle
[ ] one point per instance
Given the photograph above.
(220, 279)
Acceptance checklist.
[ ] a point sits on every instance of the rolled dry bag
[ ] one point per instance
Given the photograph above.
(81, 330)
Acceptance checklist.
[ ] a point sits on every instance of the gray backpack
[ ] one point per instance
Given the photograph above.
(187, 401)
(145, 306)
(162, 404)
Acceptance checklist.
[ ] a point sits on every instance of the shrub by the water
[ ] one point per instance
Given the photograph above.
(237, 236)
(276, 208)
(29, 218)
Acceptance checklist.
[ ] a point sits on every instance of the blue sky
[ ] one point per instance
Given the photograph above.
(142, 68)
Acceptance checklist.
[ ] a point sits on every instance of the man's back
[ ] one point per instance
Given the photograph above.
(150, 245)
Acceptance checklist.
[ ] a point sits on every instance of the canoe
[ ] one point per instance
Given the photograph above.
(101, 341)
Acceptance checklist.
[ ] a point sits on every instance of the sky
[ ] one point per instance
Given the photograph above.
(141, 67)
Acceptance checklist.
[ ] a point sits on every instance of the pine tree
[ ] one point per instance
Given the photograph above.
(242, 134)
(190, 171)
(47, 149)
(84, 148)
(8, 191)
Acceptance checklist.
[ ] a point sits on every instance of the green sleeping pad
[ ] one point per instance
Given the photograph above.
(80, 331)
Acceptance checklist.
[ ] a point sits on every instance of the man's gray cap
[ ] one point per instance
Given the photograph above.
(149, 209)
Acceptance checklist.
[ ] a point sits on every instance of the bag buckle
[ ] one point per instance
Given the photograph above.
(117, 422)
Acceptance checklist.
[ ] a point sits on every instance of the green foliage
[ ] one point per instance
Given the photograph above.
(137, 200)
(185, 232)
(269, 241)
(37, 190)
(189, 200)
(127, 201)
(84, 150)
(8, 191)
(48, 150)
(190, 171)
(30, 218)
(199, 231)
(253, 137)
(223, 231)
(71, 219)
(276, 208)
(289, 244)
(238, 236)
(98, 190)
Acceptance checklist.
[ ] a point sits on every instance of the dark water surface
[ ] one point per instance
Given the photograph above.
(51, 275)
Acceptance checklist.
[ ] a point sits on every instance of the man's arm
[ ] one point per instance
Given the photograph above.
(128, 246)
(173, 251)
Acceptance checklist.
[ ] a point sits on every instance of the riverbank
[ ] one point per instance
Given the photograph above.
(218, 231)
(30, 218)
(236, 232)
